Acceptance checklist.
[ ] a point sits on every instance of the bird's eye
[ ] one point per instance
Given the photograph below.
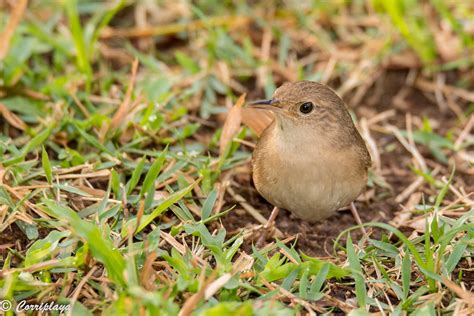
(306, 107)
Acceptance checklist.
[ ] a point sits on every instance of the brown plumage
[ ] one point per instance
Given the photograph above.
(310, 160)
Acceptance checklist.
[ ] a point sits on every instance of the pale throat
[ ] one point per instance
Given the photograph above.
(298, 141)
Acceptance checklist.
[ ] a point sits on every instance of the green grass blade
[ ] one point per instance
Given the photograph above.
(173, 198)
(406, 274)
(303, 287)
(357, 274)
(153, 173)
(455, 256)
(91, 140)
(37, 141)
(136, 174)
(319, 281)
(82, 58)
(46, 166)
(208, 205)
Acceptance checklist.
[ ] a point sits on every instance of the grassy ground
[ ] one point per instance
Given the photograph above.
(114, 197)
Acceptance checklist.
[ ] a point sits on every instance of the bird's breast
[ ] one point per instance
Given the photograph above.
(310, 180)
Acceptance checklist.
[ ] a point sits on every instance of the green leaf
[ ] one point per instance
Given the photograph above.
(303, 288)
(82, 58)
(153, 173)
(115, 183)
(36, 141)
(230, 308)
(316, 265)
(173, 198)
(69, 188)
(208, 205)
(214, 243)
(444, 191)
(290, 279)
(229, 253)
(101, 248)
(357, 274)
(80, 310)
(386, 247)
(136, 174)
(455, 256)
(42, 249)
(186, 62)
(425, 310)
(315, 291)
(276, 270)
(46, 166)
(406, 274)
(411, 247)
(91, 140)
(183, 213)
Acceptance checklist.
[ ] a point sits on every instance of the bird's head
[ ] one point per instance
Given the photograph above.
(306, 104)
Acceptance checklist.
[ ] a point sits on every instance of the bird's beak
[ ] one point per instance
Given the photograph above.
(269, 105)
(262, 102)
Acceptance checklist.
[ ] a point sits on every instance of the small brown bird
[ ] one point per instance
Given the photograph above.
(310, 160)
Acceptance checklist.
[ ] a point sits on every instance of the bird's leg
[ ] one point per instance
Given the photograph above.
(271, 219)
(268, 227)
(357, 218)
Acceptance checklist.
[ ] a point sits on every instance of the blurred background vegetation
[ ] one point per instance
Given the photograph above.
(113, 194)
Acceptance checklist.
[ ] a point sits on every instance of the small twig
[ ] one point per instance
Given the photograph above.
(464, 133)
(245, 142)
(79, 287)
(381, 117)
(411, 149)
(80, 105)
(413, 186)
(424, 84)
(440, 100)
(309, 307)
(453, 189)
(403, 216)
(190, 304)
(169, 29)
(124, 108)
(372, 145)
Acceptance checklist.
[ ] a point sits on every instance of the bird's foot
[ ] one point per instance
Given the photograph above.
(269, 227)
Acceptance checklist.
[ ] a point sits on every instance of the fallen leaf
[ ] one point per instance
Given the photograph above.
(124, 107)
(403, 60)
(418, 224)
(15, 17)
(216, 285)
(257, 120)
(11, 118)
(460, 292)
(231, 124)
(92, 191)
(402, 217)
